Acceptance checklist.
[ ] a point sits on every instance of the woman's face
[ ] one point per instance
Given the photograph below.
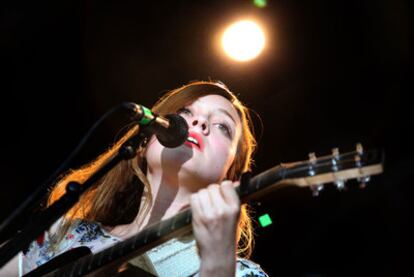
(206, 156)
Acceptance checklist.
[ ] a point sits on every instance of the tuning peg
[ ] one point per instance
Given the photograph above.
(363, 181)
(316, 189)
(312, 161)
(335, 158)
(340, 184)
(312, 157)
(358, 161)
(359, 148)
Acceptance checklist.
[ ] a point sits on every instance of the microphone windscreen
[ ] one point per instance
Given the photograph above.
(176, 134)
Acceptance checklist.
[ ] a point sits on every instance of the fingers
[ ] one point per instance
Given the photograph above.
(207, 205)
(229, 193)
(196, 208)
(216, 201)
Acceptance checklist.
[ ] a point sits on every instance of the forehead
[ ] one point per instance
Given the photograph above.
(217, 102)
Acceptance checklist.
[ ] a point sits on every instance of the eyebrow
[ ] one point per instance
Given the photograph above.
(227, 113)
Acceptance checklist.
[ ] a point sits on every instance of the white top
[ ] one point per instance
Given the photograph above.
(176, 257)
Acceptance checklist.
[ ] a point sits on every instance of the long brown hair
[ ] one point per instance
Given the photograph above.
(117, 197)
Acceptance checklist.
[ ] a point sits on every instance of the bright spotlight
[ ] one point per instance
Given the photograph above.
(243, 40)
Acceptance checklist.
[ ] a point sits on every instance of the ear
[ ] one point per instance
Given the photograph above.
(144, 143)
(144, 146)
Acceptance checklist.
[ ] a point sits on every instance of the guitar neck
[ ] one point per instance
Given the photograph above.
(150, 237)
(304, 173)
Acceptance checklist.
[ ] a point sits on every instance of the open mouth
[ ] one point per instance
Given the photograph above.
(194, 140)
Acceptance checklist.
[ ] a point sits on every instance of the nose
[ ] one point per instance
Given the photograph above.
(201, 123)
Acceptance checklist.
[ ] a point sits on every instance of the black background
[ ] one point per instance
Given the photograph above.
(333, 73)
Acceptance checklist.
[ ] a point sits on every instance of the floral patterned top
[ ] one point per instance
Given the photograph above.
(93, 236)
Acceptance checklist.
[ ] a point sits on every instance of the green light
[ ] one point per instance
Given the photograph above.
(260, 3)
(265, 220)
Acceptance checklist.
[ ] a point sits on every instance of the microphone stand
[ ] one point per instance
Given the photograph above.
(46, 218)
(16, 220)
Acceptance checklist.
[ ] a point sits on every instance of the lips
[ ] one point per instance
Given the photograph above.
(195, 140)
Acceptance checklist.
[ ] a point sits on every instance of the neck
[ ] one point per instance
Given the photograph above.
(169, 196)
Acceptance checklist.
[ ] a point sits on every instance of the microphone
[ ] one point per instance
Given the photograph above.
(173, 134)
(171, 130)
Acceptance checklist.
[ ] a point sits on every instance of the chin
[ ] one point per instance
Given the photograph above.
(200, 174)
(171, 157)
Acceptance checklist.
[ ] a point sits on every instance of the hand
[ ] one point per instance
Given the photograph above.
(216, 213)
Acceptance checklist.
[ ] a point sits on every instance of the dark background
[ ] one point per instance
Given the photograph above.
(333, 73)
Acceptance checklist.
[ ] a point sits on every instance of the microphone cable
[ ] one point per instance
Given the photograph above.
(36, 197)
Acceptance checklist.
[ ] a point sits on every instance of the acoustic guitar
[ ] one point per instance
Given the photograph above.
(314, 173)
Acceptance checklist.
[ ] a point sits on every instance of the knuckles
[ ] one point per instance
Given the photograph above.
(228, 210)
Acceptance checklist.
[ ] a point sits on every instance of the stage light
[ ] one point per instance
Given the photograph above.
(260, 3)
(243, 40)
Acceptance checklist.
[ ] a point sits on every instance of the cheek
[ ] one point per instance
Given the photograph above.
(224, 152)
(153, 151)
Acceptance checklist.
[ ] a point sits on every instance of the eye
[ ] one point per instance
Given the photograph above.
(184, 110)
(224, 128)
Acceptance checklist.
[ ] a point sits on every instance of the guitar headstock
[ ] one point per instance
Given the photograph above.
(336, 168)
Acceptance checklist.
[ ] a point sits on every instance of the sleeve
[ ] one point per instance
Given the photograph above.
(20, 265)
(247, 268)
(36, 254)
(39, 251)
